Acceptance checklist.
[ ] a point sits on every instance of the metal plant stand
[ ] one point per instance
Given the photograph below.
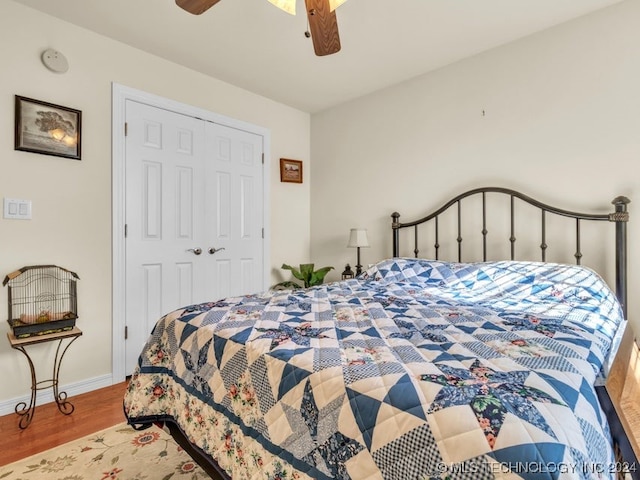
(25, 411)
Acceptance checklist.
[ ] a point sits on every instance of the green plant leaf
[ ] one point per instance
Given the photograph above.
(285, 285)
(306, 270)
(317, 278)
(294, 271)
(306, 273)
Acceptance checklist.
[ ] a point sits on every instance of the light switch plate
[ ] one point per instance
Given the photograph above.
(17, 209)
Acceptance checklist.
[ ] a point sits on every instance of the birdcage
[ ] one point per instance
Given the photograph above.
(42, 299)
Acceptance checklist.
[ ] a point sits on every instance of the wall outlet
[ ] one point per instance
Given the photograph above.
(17, 209)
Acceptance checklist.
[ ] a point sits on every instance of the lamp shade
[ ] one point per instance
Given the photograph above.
(358, 238)
(333, 4)
(289, 6)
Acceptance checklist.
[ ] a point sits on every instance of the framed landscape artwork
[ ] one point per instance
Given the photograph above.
(290, 170)
(42, 127)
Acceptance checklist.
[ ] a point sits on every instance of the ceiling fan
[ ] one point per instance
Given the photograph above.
(323, 24)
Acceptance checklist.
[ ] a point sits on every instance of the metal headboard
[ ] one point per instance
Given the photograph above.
(620, 217)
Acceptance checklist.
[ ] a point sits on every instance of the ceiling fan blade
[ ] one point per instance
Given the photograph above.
(323, 24)
(196, 6)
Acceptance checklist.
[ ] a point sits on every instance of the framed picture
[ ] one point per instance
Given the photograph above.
(46, 128)
(290, 170)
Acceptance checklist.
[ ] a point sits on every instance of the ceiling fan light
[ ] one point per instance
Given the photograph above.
(333, 4)
(288, 6)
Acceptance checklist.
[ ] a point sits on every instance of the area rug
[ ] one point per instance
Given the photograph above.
(117, 453)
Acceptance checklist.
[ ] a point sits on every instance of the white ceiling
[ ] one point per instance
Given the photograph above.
(254, 45)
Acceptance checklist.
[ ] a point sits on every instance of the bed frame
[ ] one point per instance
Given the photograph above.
(619, 216)
(621, 416)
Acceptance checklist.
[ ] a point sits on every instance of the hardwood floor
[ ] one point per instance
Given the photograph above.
(94, 411)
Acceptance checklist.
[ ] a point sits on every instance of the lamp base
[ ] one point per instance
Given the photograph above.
(358, 266)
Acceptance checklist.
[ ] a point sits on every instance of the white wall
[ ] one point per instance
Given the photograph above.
(71, 223)
(561, 123)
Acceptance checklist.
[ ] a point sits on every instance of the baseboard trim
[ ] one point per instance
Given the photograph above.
(46, 396)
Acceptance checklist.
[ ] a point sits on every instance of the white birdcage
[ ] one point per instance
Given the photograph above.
(42, 299)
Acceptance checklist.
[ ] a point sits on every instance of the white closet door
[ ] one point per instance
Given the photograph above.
(165, 195)
(234, 211)
(194, 215)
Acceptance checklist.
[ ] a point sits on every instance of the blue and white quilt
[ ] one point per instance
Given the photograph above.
(417, 370)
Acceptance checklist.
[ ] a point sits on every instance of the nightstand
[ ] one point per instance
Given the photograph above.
(26, 412)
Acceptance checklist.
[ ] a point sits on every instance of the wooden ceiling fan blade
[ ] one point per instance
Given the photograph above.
(196, 6)
(323, 25)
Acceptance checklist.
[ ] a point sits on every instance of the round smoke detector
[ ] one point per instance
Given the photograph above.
(55, 61)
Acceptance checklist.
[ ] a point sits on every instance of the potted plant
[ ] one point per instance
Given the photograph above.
(306, 274)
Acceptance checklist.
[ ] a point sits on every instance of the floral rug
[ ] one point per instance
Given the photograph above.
(117, 453)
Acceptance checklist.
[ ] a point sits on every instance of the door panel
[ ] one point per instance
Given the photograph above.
(185, 201)
(164, 214)
(234, 165)
(152, 200)
(223, 204)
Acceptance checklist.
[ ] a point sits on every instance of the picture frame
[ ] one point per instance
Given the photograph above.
(290, 170)
(46, 128)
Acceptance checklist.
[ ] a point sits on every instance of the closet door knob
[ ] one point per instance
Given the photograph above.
(213, 250)
(196, 251)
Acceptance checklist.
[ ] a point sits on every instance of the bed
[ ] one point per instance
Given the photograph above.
(417, 369)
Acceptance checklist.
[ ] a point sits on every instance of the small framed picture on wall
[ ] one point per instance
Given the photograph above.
(42, 127)
(290, 170)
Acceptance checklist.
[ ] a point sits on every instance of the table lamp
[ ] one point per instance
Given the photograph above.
(358, 239)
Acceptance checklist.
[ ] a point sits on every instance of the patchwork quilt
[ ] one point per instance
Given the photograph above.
(416, 370)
